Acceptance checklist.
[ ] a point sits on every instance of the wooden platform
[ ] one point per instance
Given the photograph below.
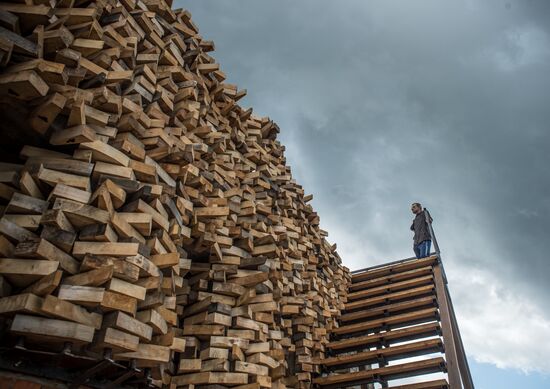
(391, 314)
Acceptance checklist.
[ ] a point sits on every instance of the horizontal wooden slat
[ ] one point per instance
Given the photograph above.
(387, 298)
(398, 268)
(389, 337)
(388, 309)
(423, 271)
(425, 314)
(410, 369)
(389, 353)
(439, 384)
(391, 287)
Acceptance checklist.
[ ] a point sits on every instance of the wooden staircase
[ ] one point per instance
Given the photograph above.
(394, 312)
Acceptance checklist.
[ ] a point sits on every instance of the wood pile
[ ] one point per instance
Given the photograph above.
(145, 214)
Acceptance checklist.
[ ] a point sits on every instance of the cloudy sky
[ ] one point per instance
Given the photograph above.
(382, 103)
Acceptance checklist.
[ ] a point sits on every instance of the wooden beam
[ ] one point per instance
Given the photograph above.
(453, 369)
(72, 312)
(23, 272)
(51, 330)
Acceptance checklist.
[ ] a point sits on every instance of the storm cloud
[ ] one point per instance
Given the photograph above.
(384, 103)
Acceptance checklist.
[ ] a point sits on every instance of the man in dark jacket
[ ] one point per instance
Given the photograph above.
(422, 238)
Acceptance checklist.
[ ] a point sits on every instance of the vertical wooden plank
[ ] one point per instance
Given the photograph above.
(467, 380)
(446, 328)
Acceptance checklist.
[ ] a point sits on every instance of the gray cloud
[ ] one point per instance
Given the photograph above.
(384, 103)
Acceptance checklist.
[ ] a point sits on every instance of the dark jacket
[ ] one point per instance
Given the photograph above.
(420, 228)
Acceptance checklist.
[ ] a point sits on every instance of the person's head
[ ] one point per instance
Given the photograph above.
(416, 208)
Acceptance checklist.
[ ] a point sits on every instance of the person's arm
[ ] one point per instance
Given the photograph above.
(412, 226)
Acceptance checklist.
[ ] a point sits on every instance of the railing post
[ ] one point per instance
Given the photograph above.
(432, 233)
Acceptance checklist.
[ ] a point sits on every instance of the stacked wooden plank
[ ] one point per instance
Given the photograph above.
(392, 314)
(146, 215)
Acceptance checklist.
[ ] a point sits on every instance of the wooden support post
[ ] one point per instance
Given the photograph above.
(453, 370)
(467, 380)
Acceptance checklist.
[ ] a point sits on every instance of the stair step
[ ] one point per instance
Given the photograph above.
(404, 319)
(386, 338)
(423, 271)
(394, 308)
(387, 298)
(439, 384)
(411, 369)
(390, 353)
(391, 287)
(398, 268)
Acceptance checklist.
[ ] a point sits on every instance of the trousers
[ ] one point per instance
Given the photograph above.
(422, 250)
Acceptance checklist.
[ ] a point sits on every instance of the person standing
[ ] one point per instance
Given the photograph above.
(422, 238)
